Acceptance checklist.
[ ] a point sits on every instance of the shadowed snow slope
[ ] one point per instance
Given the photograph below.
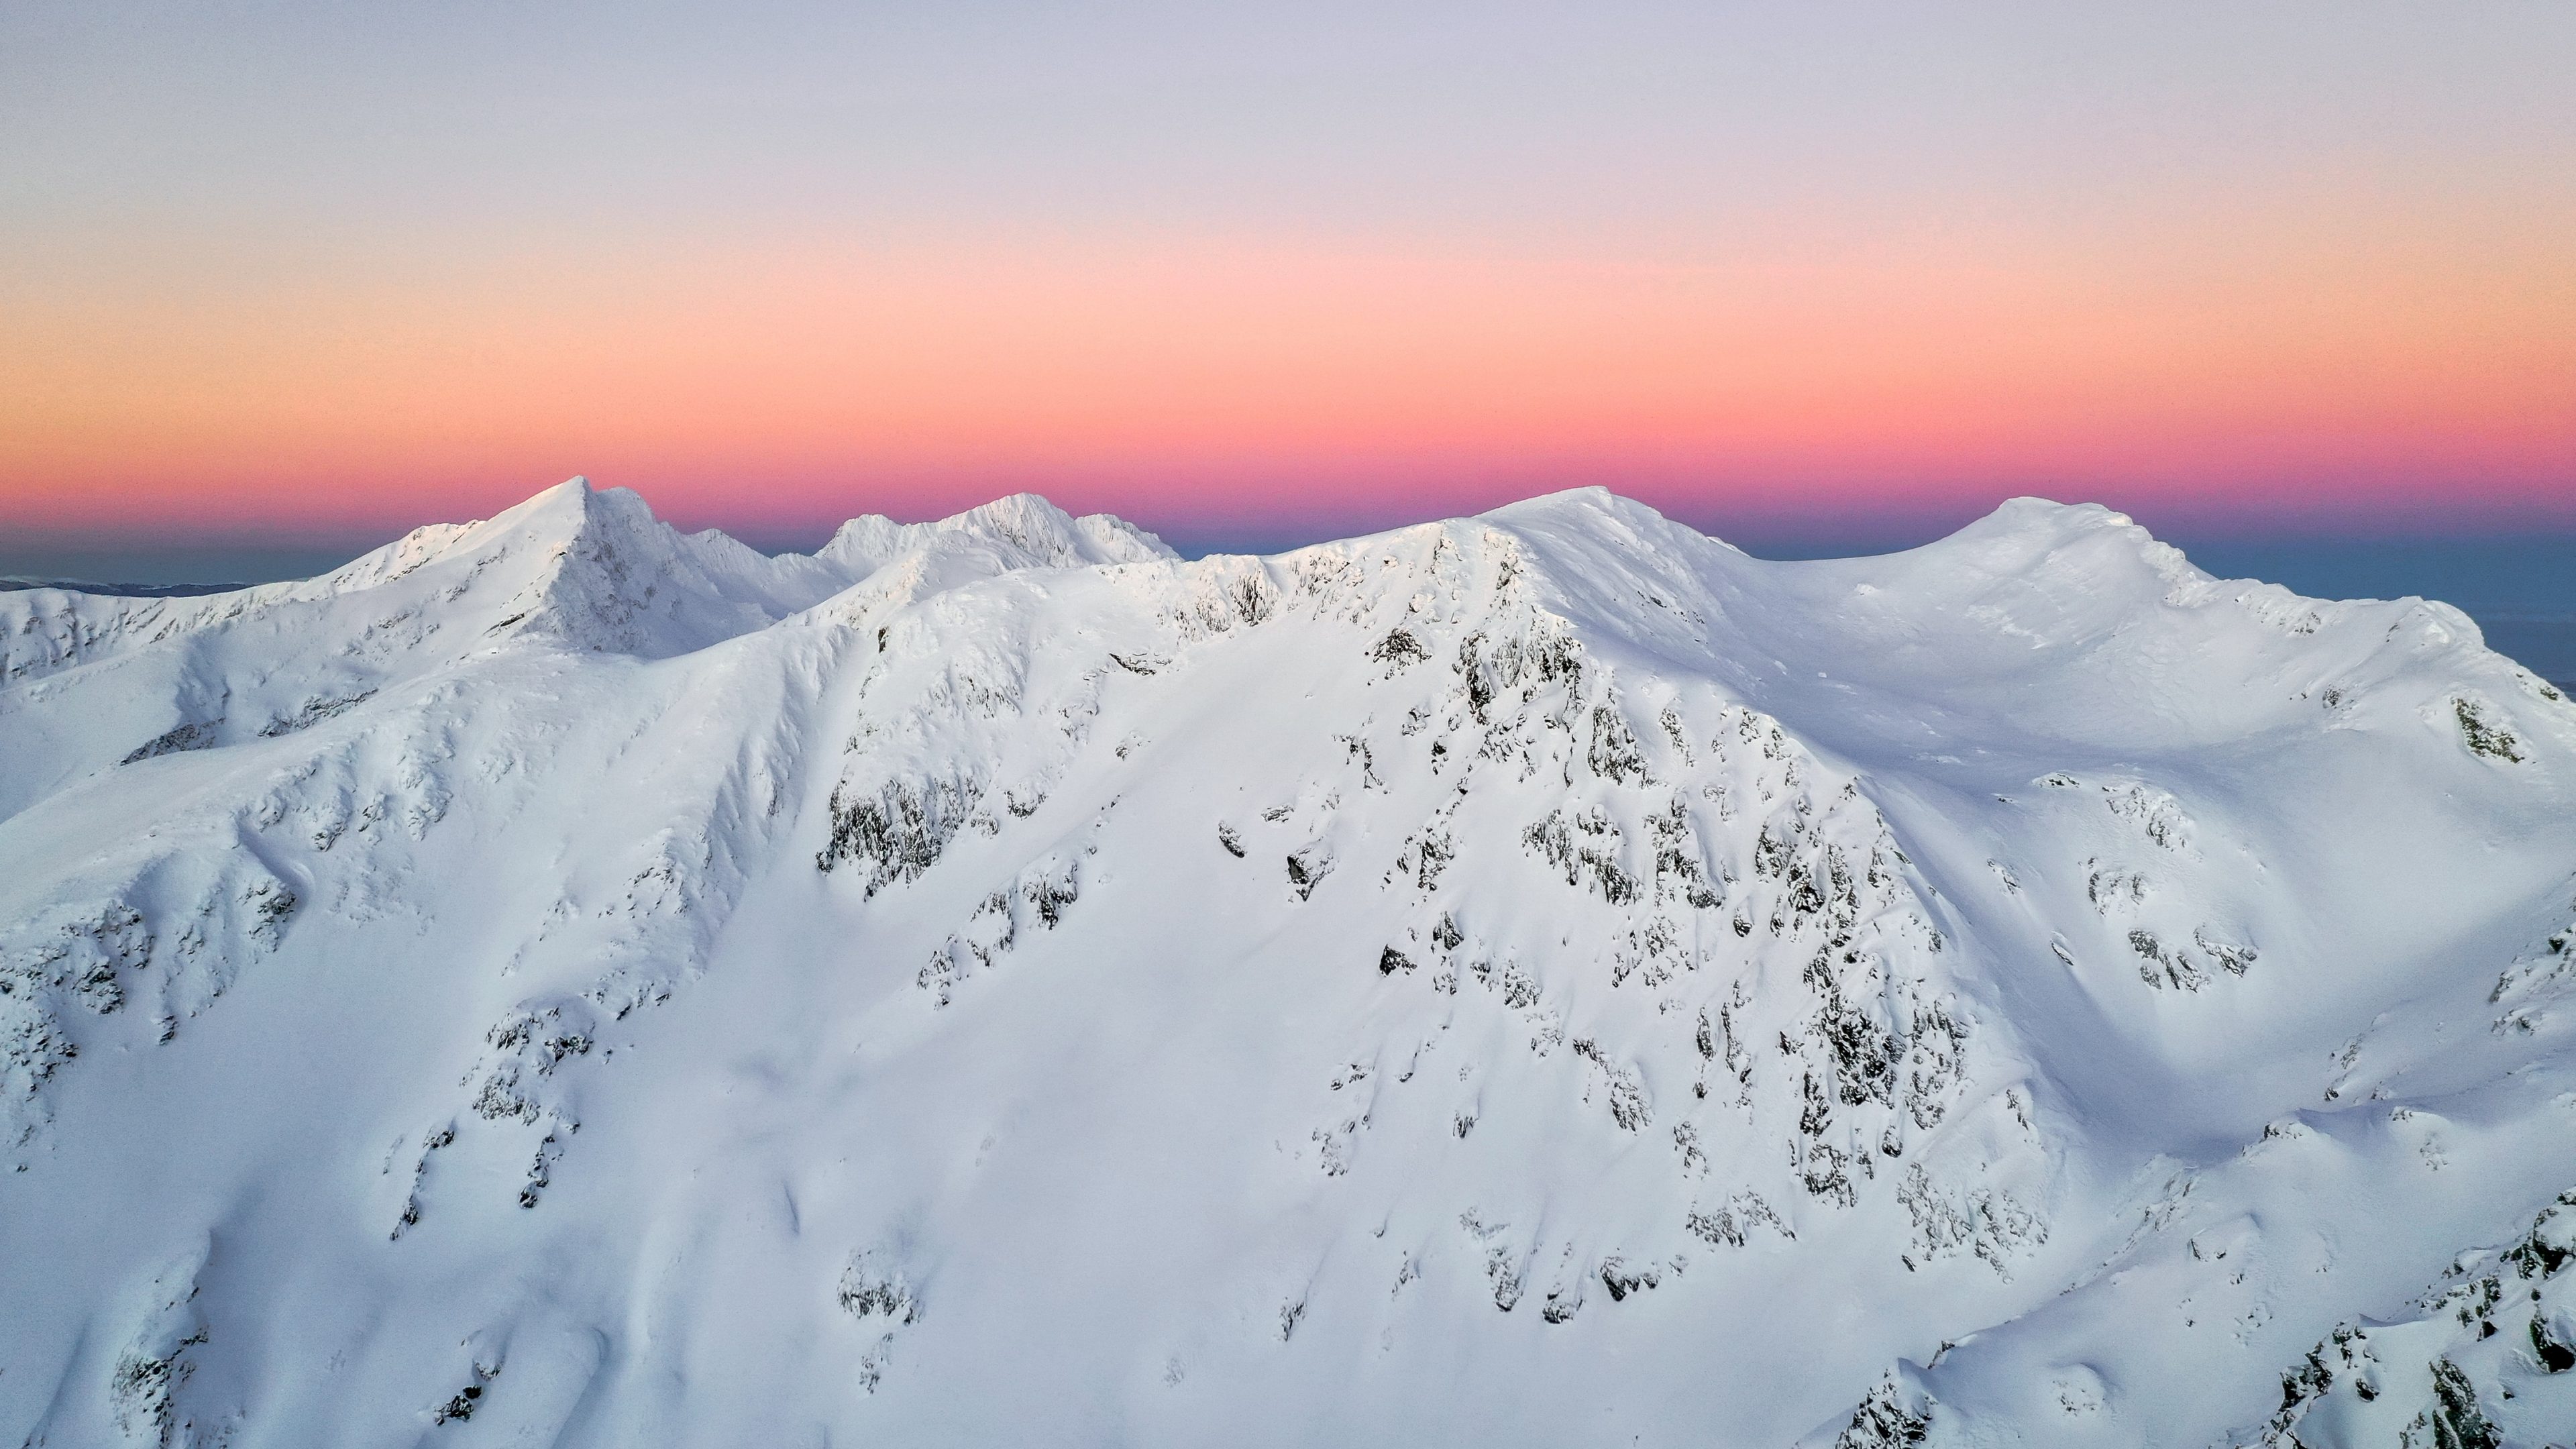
(1542, 978)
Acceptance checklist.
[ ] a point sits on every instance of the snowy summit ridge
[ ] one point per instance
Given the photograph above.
(1547, 977)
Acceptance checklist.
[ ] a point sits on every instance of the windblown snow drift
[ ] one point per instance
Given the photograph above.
(1546, 978)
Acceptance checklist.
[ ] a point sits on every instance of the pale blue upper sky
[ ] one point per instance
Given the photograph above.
(1642, 121)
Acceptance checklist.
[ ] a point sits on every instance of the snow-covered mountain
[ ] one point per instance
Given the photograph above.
(1541, 978)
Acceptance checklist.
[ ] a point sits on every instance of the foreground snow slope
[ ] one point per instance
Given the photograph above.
(1541, 978)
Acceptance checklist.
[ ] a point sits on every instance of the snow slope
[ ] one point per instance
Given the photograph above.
(1542, 978)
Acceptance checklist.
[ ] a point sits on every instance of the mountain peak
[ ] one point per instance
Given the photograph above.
(1030, 531)
(1470, 984)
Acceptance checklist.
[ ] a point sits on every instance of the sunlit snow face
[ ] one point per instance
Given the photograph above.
(561, 976)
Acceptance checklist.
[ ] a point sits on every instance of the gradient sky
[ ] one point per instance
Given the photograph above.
(300, 275)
